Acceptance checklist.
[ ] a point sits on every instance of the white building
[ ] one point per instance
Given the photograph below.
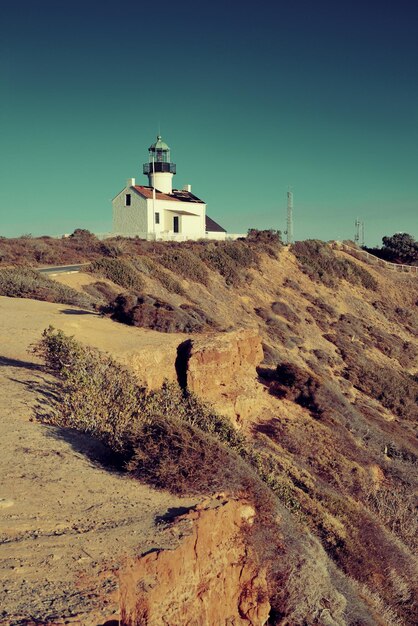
(156, 210)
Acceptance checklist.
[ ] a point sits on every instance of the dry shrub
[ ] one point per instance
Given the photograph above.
(120, 271)
(222, 263)
(270, 236)
(230, 259)
(271, 354)
(309, 599)
(185, 263)
(351, 329)
(267, 241)
(152, 268)
(27, 283)
(281, 308)
(174, 455)
(406, 317)
(322, 312)
(292, 284)
(321, 264)
(149, 312)
(102, 292)
(324, 358)
(397, 391)
(396, 509)
(278, 330)
(99, 396)
(294, 383)
(31, 251)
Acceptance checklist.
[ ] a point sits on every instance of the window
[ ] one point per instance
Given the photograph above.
(157, 218)
(176, 224)
(127, 199)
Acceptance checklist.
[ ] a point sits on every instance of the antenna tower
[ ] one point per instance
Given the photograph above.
(289, 230)
(359, 232)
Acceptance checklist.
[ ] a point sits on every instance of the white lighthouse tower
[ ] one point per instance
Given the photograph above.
(159, 169)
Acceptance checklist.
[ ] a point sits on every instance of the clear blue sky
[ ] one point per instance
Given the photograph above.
(251, 97)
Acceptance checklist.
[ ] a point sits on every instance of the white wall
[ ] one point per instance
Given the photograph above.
(138, 220)
(216, 235)
(130, 220)
(163, 181)
(190, 226)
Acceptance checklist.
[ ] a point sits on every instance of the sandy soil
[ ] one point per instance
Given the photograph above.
(65, 519)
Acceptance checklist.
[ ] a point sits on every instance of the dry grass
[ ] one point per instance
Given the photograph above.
(27, 283)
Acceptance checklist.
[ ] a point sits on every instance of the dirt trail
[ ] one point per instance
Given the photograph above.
(65, 520)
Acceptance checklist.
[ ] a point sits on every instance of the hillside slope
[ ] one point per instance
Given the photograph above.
(333, 401)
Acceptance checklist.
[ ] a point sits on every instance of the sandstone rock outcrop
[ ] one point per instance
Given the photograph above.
(213, 577)
(222, 370)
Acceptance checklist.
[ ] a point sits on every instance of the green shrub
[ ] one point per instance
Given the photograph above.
(184, 263)
(120, 271)
(320, 262)
(27, 283)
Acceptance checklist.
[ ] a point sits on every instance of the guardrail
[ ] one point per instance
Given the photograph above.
(362, 255)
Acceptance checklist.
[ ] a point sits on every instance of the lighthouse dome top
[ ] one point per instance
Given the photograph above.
(159, 145)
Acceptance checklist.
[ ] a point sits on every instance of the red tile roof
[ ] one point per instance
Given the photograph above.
(177, 195)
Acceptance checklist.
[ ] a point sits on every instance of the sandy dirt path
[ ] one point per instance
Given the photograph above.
(66, 520)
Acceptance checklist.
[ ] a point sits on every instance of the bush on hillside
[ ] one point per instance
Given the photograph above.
(27, 283)
(150, 267)
(99, 396)
(350, 330)
(149, 312)
(270, 236)
(229, 259)
(278, 330)
(284, 310)
(170, 454)
(184, 263)
(120, 271)
(321, 264)
(102, 292)
(395, 390)
(294, 383)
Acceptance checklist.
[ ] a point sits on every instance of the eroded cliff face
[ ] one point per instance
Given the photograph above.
(213, 577)
(221, 369)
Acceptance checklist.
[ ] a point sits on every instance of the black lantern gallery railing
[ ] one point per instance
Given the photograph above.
(158, 166)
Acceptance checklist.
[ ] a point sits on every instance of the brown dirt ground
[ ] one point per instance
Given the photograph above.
(65, 520)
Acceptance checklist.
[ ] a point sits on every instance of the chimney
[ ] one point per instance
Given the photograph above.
(187, 188)
(131, 182)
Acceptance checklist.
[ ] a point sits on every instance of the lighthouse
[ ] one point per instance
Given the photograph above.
(159, 168)
(158, 212)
